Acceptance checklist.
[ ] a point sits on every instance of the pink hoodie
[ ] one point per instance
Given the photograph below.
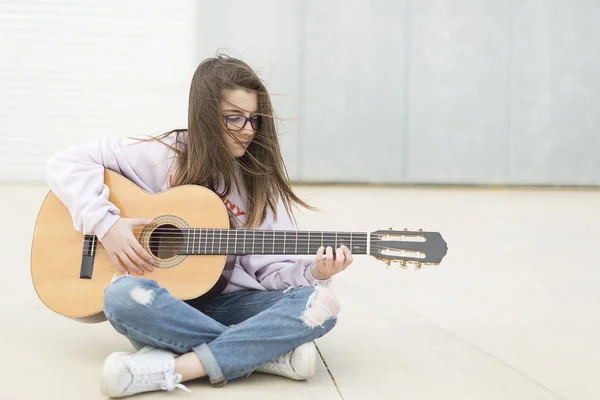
(76, 176)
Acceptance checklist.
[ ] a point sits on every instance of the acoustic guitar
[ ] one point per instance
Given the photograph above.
(189, 239)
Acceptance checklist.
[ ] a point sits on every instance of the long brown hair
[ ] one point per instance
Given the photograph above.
(203, 157)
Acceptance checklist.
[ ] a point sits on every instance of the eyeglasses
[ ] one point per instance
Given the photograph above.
(238, 122)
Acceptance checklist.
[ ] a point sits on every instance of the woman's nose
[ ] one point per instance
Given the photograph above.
(247, 130)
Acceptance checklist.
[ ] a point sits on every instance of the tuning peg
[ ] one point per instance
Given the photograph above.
(390, 228)
(406, 229)
(421, 230)
(387, 263)
(418, 266)
(403, 264)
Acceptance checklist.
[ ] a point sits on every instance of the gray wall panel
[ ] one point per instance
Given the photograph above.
(556, 114)
(353, 103)
(468, 91)
(458, 92)
(531, 83)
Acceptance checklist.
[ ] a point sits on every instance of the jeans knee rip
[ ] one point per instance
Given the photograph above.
(321, 306)
(142, 296)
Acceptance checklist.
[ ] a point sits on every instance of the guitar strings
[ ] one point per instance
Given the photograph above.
(256, 242)
(201, 238)
(205, 230)
(218, 248)
(250, 234)
(175, 242)
(194, 231)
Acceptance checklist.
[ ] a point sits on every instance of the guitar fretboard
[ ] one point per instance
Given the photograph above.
(247, 241)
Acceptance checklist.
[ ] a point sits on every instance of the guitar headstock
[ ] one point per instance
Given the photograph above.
(415, 247)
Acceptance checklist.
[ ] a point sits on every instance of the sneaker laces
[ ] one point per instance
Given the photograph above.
(159, 374)
(172, 381)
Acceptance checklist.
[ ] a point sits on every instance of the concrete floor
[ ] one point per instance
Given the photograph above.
(511, 313)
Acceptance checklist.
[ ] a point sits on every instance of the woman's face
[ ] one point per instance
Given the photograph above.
(237, 105)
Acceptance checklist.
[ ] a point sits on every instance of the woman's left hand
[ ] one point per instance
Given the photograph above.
(327, 265)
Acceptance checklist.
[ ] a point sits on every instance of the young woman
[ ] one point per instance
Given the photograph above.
(273, 307)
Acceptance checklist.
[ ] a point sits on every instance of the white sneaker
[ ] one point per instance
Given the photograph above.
(299, 364)
(125, 374)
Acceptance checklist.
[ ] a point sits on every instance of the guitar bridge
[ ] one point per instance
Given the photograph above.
(87, 257)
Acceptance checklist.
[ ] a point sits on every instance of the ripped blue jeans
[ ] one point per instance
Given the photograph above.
(232, 335)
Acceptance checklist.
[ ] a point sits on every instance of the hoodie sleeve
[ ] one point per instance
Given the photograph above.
(76, 176)
(279, 272)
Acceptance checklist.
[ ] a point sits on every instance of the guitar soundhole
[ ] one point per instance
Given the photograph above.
(166, 241)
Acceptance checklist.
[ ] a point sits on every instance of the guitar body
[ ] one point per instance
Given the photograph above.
(57, 249)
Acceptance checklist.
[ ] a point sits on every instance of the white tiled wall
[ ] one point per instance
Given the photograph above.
(74, 70)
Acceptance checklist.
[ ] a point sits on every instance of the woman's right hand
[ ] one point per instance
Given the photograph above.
(125, 251)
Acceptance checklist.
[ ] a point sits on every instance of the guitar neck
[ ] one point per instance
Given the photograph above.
(247, 241)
